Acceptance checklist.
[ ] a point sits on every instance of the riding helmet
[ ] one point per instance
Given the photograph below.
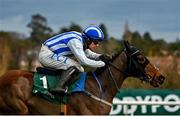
(93, 33)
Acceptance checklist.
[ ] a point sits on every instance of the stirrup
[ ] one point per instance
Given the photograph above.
(66, 89)
(60, 91)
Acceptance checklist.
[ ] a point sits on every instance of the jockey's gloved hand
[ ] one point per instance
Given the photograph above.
(105, 58)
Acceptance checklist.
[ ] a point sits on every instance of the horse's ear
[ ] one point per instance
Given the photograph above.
(127, 45)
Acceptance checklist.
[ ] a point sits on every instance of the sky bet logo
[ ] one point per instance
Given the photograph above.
(147, 109)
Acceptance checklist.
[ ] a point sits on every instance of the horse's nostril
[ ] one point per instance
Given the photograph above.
(161, 78)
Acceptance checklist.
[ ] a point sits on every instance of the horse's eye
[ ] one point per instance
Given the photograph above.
(141, 59)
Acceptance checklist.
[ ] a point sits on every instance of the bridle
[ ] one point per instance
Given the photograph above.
(126, 73)
(112, 77)
(133, 61)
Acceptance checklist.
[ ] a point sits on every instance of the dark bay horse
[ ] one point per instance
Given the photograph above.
(16, 86)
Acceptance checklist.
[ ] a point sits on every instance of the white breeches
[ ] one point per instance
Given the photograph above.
(48, 59)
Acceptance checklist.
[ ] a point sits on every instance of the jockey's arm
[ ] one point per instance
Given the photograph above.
(91, 54)
(76, 47)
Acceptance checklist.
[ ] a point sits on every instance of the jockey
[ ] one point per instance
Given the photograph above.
(56, 53)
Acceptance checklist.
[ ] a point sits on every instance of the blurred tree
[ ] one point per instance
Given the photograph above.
(39, 28)
(4, 52)
(148, 43)
(138, 41)
(147, 36)
(175, 45)
(72, 27)
(63, 29)
(75, 27)
(136, 35)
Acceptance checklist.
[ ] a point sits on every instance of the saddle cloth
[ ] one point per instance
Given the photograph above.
(44, 80)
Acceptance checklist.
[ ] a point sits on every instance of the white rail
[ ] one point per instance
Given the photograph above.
(145, 103)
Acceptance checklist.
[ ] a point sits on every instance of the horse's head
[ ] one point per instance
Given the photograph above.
(139, 66)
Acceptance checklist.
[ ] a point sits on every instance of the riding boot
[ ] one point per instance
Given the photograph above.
(65, 76)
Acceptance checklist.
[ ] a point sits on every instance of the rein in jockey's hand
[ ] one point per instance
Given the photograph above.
(78, 67)
(105, 58)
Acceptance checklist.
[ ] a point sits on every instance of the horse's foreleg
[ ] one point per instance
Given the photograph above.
(3, 107)
(14, 100)
(40, 106)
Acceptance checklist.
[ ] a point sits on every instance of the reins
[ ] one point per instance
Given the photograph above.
(112, 78)
(115, 83)
(117, 68)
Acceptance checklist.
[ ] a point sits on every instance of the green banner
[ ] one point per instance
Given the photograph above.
(152, 95)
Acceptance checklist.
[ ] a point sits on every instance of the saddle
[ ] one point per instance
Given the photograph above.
(48, 71)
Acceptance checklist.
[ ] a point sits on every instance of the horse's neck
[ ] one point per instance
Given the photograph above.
(109, 87)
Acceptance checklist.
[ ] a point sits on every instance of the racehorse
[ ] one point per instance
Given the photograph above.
(16, 87)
